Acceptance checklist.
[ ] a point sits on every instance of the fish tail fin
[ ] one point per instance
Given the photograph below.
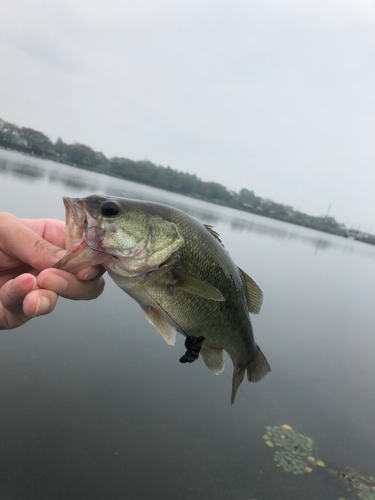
(257, 368)
(238, 375)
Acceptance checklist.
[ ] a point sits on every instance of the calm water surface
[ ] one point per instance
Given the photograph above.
(95, 405)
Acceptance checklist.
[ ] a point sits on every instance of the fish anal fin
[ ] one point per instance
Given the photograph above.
(254, 295)
(166, 330)
(211, 230)
(196, 286)
(214, 358)
(258, 367)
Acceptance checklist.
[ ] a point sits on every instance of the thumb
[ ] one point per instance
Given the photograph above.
(22, 243)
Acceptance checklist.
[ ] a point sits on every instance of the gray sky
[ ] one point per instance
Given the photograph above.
(276, 96)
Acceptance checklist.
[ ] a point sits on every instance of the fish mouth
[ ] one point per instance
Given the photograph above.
(78, 221)
(75, 210)
(83, 237)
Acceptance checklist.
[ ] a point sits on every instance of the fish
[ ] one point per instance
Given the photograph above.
(179, 272)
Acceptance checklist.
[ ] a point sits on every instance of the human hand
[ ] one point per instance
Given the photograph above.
(28, 285)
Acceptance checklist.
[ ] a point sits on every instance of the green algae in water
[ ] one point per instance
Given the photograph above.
(295, 456)
(365, 485)
(285, 436)
(290, 462)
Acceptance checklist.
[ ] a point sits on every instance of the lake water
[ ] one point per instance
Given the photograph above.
(95, 405)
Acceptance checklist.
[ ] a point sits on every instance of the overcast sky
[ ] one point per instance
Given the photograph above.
(275, 96)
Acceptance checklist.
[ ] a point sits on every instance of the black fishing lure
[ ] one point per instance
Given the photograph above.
(193, 346)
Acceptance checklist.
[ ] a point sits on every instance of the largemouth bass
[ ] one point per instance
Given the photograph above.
(177, 270)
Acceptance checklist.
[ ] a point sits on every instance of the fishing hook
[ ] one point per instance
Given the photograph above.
(97, 249)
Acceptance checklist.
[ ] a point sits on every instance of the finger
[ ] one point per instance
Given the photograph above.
(24, 244)
(69, 286)
(90, 273)
(39, 302)
(13, 293)
(51, 230)
(12, 273)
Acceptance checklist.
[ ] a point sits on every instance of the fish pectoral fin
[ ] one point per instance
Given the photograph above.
(197, 286)
(254, 295)
(214, 358)
(166, 330)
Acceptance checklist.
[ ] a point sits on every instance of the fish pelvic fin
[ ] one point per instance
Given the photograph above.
(214, 358)
(257, 368)
(166, 330)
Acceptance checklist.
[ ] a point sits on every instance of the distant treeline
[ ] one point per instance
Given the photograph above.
(36, 143)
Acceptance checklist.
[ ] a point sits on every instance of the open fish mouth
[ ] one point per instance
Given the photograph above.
(75, 218)
(83, 237)
(75, 211)
(79, 222)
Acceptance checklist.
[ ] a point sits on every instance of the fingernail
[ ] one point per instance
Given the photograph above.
(58, 284)
(60, 254)
(42, 306)
(87, 274)
(34, 285)
(91, 274)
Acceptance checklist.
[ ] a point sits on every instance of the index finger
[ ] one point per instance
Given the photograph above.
(21, 242)
(51, 230)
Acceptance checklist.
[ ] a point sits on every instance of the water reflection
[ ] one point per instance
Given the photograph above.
(80, 180)
(319, 241)
(22, 170)
(75, 182)
(240, 225)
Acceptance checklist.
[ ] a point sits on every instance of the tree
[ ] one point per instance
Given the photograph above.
(37, 142)
(8, 132)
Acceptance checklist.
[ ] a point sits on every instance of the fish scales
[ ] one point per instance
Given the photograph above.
(177, 270)
(195, 314)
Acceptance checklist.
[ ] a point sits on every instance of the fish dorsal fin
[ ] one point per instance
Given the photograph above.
(211, 230)
(162, 326)
(197, 286)
(214, 358)
(254, 295)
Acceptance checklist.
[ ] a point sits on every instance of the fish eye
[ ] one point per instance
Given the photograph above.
(110, 209)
